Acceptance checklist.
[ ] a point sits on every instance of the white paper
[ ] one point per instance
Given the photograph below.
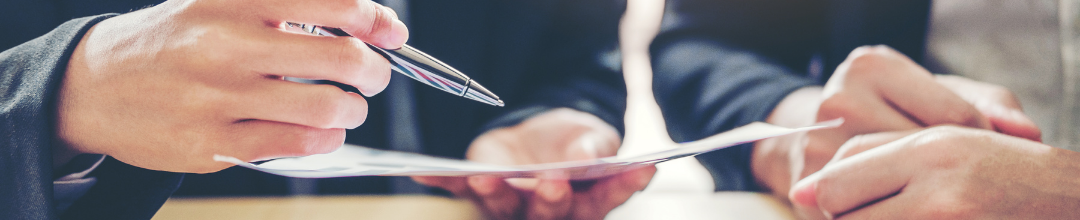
(351, 160)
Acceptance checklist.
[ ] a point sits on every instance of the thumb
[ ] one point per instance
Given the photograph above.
(850, 183)
(381, 28)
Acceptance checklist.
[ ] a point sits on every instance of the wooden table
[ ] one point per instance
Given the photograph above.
(725, 205)
(317, 207)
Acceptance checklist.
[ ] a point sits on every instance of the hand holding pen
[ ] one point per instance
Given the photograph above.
(420, 67)
(169, 86)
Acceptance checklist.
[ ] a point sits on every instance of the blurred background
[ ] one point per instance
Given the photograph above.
(1028, 46)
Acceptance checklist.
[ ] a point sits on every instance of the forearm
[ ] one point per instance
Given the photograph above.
(1056, 181)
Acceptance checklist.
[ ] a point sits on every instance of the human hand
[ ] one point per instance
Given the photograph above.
(944, 173)
(167, 87)
(999, 105)
(875, 90)
(555, 136)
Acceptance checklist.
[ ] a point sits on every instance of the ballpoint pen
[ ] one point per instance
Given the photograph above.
(420, 67)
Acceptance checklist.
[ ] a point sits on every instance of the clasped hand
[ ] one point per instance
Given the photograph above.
(877, 89)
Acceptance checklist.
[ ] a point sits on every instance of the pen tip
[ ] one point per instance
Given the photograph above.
(500, 104)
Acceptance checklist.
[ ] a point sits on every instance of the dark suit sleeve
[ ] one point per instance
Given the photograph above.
(29, 84)
(706, 85)
(576, 65)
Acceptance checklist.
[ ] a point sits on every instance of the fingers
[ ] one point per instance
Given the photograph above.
(340, 59)
(609, 193)
(620, 187)
(861, 143)
(1015, 123)
(319, 106)
(910, 88)
(551, 200)
(863, 114)
(894, 207)
(259, 140)
(853, 182)
(363, 19)
(499, 199)
(932, 104)
(997, 103)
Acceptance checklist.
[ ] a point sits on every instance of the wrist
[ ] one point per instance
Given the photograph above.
(776, 162)
(62, 153)
(67, 116)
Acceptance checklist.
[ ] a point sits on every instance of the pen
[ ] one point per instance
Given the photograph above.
(420, 67)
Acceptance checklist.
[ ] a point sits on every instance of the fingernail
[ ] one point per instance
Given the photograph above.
(805, 195)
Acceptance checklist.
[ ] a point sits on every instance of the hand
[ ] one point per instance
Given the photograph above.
(944, 173)
(996, 103)
(875, 90)
(555, 136)
(167, 87)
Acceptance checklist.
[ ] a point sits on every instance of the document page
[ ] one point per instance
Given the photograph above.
(352, 160)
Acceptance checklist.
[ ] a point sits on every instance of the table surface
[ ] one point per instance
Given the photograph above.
(644, 205)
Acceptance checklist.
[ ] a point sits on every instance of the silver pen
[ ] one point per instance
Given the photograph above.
(420, 67)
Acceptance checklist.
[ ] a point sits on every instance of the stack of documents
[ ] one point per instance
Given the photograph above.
(351, 160)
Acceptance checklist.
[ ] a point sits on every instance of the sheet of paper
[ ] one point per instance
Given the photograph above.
(351, 160)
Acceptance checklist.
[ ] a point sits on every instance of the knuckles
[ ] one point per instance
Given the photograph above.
(350, 54)
(869, 61)
(382, 80)
(363, 68)
(209, 47)
(869, 57)
(945, 147)
(316, 141)
(364, 17)
(293, 140)
(333, 106)
(348, 10)
(299, 141)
